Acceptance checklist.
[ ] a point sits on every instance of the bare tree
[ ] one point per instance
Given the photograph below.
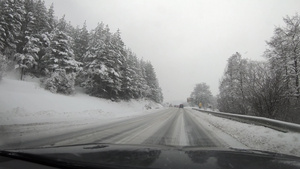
(232, 96)
(264, 90)
(284, 53)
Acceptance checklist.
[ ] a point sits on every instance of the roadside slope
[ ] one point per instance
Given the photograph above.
(29, 112)
(24, 102)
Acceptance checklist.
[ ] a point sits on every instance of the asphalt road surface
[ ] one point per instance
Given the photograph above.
(171, 126)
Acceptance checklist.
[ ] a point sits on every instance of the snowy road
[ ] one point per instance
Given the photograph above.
(167, 126)
(183, 127)
(64, 120)
(173, 126)
(41, 118)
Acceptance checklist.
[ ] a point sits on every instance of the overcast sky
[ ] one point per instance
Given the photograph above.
(187, 41)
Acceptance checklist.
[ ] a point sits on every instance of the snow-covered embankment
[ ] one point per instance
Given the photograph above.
(27, 110)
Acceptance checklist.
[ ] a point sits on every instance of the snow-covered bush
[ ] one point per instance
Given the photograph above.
(60, 82)
(2, 65)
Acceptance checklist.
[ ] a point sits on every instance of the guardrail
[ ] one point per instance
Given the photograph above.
(262, 121)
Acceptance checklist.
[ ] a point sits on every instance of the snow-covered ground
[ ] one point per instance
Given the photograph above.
(23, 102)
(256, 137)
(29, 112)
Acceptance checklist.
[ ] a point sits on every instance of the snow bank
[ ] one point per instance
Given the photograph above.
(23, 102)
(256, 137)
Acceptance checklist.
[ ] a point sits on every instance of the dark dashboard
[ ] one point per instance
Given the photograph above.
(137, 156)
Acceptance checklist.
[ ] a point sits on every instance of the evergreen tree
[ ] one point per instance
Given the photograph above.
(27, 25)
(131, 78)
(94, 68)
(11, 12)
(103, 65)
(38, 46)
(37, 43)
(81, 42)
(154, 92)
(2, 65)
(41, 16)
(61, 55)
(50, 18)
(115, 61)
(60, 82)
(24, 62)
(61, 66)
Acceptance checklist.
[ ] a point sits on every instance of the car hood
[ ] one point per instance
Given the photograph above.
(146, 156)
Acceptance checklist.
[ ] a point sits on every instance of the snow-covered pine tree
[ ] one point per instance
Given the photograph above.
(81, 42)
(94, 69)
(61, 55)
(154, 89)
(38, 47)
(115, 62)
(38, 44)
(2, 65)
(130, 77)
(50, 19)
(103, 65)
(27, 25)
(11, 13)
(26, 58)
(41, 15)
(60, 64)
(24, 62)
(143, 87)
(41, 45)
(66, 27)
(60, 82)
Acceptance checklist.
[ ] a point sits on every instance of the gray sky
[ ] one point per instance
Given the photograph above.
(187, 41)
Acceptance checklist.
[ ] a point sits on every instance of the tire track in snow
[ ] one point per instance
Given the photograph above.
(183, 136)
(178, 135)
(173, 126)
(164, 135)
(197, 135)
(118, 131)
(222, 136)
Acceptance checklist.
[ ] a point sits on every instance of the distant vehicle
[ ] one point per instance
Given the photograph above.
(181, 106)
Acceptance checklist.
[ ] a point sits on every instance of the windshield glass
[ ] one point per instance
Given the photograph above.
(200, 73)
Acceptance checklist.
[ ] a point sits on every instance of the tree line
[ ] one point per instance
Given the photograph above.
(266, 88)
(35, 42)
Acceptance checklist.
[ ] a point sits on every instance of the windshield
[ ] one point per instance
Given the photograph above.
(198, 73)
